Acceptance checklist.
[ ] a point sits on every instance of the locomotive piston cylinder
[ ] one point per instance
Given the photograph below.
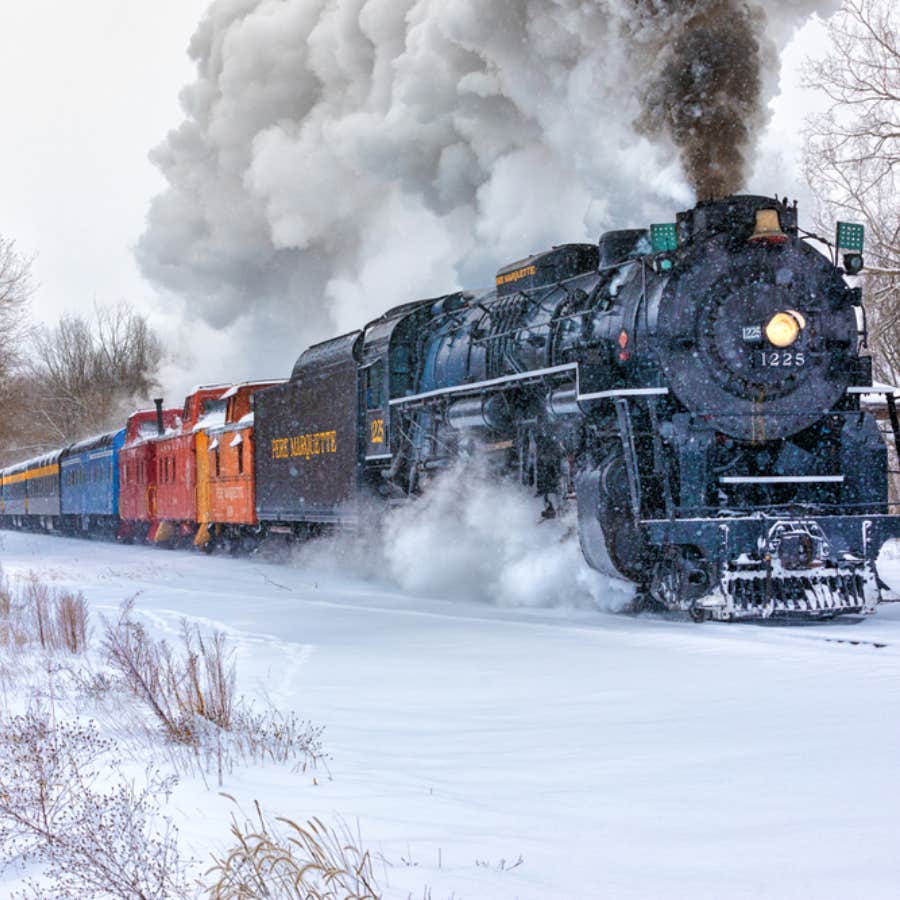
(563, 402)
(480, 413)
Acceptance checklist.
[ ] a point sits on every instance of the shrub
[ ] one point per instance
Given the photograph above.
(5, 595)
(191, 693)
(142, 663)
(203, 683)
(93, 843)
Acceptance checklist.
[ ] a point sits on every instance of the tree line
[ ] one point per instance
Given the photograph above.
(61, 383)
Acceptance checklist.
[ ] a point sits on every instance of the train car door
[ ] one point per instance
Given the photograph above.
(378, 445)
(203, 475)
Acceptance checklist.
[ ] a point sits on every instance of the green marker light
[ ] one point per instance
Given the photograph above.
(664, 238)
(850, 236)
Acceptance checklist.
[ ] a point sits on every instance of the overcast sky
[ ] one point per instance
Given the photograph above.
(89, 89)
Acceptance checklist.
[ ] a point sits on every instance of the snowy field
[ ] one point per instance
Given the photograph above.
(618, 757)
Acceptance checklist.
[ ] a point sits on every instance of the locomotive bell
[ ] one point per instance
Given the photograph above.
(768, 227)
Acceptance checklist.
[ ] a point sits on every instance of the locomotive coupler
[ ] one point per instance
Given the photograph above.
(796, 544)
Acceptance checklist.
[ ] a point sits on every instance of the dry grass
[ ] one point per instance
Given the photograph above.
(297, 862)
(203, 684)
(34, 613)
(184, 689)
(191, 692)
(146, 667)
(5, 595)
(71, 622)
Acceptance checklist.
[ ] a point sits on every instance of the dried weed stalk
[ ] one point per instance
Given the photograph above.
(191, 692)
(71, 622)
(38, 614)
(142, 663)
(184, 689)
(299, 862)
(204, 681)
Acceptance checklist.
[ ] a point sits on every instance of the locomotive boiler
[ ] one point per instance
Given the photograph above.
(694, 387)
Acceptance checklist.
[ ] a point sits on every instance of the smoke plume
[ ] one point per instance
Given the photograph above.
(341, 156)
(707, 95)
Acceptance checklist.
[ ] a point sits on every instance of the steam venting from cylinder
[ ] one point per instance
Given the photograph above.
(340, 157)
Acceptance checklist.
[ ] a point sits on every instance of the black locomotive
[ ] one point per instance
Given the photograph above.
(695, 387)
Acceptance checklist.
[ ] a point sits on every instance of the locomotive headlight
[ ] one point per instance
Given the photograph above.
(784, 328)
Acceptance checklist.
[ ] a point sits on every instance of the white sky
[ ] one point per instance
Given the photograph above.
(91, 87)
(88, 89)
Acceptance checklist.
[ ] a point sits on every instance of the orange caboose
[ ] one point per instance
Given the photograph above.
(137, 471)
(226, 495)
(176, 463)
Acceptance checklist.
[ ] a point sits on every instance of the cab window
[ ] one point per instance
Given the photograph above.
(375, 386)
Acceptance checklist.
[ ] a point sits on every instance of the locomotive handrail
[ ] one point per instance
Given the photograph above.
(480, 385)
(885, 389)
(808, 508)
(530, 374)
(616, 393)
(781, 479)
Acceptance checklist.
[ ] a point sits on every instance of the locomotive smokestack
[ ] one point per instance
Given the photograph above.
(159, 416)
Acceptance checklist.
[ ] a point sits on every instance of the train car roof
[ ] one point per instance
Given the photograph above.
(325, 353)
(94, 442)
(235, 388)
(35, 462)
(208, 387)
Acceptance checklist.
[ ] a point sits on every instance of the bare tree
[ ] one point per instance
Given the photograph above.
(15, 289)
(86, 375)
(853, 152)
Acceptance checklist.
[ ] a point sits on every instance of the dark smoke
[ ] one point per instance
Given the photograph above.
(708, 96)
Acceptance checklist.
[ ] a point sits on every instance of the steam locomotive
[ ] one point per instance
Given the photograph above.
(694, 388)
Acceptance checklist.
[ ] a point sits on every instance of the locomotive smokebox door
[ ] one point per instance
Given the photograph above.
(377, 437)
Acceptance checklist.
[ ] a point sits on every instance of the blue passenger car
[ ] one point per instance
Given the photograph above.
(90, 483)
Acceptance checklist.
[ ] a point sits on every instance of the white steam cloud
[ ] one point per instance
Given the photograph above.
(447, 544)
(342, 156)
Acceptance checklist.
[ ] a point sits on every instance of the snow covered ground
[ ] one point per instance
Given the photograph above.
(618, 757)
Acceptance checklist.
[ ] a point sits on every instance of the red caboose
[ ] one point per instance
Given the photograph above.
(226, 496)
(137, 471)
(176, 463)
